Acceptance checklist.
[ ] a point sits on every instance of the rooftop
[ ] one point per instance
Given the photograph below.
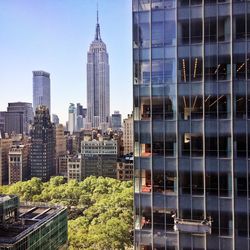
(30, 217)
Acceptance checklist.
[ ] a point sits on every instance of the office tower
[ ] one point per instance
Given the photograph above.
(191, 110)
(5, 144)
(41, 89)
(98, 94)
(32, 226)
(55, 119)
(18, 160)
(61, 149)
(74, 168)
(26, 109)
(99, 158)
(72, 118)
(116, 120)
(128, 135)
(42, 157)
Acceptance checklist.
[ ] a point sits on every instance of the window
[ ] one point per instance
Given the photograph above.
(212, 183)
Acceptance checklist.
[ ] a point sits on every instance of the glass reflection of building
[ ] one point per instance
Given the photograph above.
(191, 85)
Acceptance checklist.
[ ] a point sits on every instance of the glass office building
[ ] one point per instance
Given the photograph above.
(191, 72)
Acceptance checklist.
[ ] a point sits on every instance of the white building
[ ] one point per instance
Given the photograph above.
(72, 118)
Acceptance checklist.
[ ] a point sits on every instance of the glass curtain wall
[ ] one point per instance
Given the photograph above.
(191, 75)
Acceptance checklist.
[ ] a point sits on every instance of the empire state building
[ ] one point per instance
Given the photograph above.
(98, 93)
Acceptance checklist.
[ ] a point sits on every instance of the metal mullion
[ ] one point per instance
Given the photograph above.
(203, 127)
(177, 124)
(232, 124)
(151, 126)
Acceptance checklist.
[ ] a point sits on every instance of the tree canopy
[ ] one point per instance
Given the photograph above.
(100, 209)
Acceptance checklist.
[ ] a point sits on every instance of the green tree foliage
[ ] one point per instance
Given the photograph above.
(100, 209)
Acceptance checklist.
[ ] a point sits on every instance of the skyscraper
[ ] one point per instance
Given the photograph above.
(191, 128)
(42, 157)
(19, 117)
(41, 89)
(98, 94)
(72, 118)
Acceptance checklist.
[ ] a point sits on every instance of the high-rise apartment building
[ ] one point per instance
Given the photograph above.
(191, 110)
(41, 89)
(128, 135)
(98, 93)
(42, 157)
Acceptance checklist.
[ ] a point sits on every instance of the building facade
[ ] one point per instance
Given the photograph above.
(61, 149)
(26, 110)
(41, 89)
(74, 168)
(42, 156)
(98, 93)
(191, 110)
(99, 158)
(18, 161)
(128, 135)
(116, 121)
(124, 168)
(5, 145)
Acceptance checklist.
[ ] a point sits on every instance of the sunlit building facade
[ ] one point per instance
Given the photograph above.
(191, 74)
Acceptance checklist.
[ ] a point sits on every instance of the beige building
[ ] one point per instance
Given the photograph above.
(128, 135)
(18, 163)
(60, 144)
(5, 145)
(74, 166)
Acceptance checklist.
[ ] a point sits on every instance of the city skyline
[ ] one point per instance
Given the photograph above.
(55, 37)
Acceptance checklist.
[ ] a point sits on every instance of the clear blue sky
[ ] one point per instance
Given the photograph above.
(54, 35)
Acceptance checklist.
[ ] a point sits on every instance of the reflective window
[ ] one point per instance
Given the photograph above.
(225, 184)
(240, 107)
(191, 107)
(192, 143)
(240, 141)
(184, 182)
(211, 145)
(212, 183)
(197, 183)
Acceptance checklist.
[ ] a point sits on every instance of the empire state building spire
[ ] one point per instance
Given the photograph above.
(97, 30)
